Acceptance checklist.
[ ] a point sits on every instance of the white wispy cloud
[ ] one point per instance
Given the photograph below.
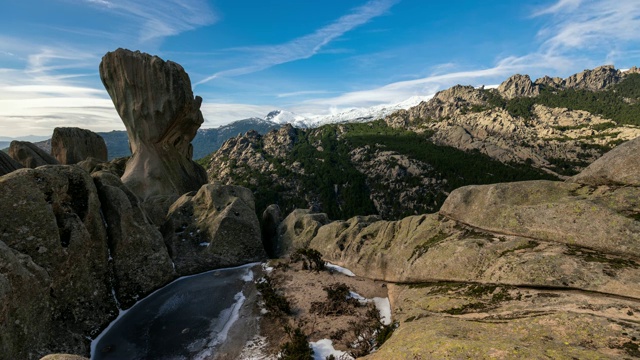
(216, 114)
(164, 18)
(591, 24)
(302, 93)
(573, 25)
(306, 46)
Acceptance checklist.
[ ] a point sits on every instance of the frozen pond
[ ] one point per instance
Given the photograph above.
(190, 318)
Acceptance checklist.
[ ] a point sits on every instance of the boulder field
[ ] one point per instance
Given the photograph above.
(530, 269)
(79, 243)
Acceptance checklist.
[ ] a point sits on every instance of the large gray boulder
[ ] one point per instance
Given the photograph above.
(620, 166)
(29, 155)
(71, 145)
(298, 229)
(154, 100)
(56, 261)
(7, 164)
(213, 228)
(141, 262)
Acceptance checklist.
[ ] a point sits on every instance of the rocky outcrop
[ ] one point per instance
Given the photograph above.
(154, 100)
(29, 155)
(72, 145)
(279, 143)
(55, 273)
(518, 86)
(597, 79)
(213, 228)
(619, 166)
(7, 164)
(115, 166)
(298, 229)
(548, 82)
(141, 262)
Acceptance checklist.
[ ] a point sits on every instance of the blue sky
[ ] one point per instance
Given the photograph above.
(247, 57)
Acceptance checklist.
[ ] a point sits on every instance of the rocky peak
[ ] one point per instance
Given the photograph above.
(594, 80)
(280, 142)
(518, 86)
(549, 82)
(154, 100)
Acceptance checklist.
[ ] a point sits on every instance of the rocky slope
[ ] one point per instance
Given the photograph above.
(409, 163)
(520, 270)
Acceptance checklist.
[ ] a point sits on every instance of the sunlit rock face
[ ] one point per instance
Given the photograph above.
(155, 101)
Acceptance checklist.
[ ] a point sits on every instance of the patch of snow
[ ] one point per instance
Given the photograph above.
(204, 243)
(248, 276)
(323, 348)
(382, 304)
(339, 269)
(267, 268)
(254, 349)
(384, 307)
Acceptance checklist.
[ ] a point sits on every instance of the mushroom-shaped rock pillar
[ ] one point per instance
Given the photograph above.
(154, 100)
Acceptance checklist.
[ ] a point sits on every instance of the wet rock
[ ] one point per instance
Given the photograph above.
(72, 145)
(29, 155)
(154, 100)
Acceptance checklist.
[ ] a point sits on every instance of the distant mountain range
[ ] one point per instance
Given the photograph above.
(210, 140)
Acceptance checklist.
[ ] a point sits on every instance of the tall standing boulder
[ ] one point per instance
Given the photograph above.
(154, 100)
(29, 155)
(71, 145)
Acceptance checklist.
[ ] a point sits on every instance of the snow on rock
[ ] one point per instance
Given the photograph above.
(384, 307)
(339, 269)
(323, 348)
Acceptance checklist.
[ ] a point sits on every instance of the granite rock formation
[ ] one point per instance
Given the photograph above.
(141, 262)
(29, 155)
(55, 273)
(271, 218)
(546, 263)
(518, 86)
(213, 228)
(7, 164)
(154, 100)
(71, 145)
(619, 166)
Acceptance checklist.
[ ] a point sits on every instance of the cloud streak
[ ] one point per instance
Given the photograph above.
(161, 18)
(306, 46)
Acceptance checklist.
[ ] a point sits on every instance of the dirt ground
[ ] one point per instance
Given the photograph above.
(302, 288)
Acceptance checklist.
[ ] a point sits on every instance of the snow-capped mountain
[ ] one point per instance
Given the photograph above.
(349, 115)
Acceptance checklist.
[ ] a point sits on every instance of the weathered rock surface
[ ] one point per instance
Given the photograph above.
(141, 262)
(115, 166)
(518, 86)
(298, 229)
(7, 164)
(64, 357)
(29, 155)
(502, 267)
(213, 228)
(154, 100)
(620, 166)
(72, 145)
(57, 267)
(596, 79)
